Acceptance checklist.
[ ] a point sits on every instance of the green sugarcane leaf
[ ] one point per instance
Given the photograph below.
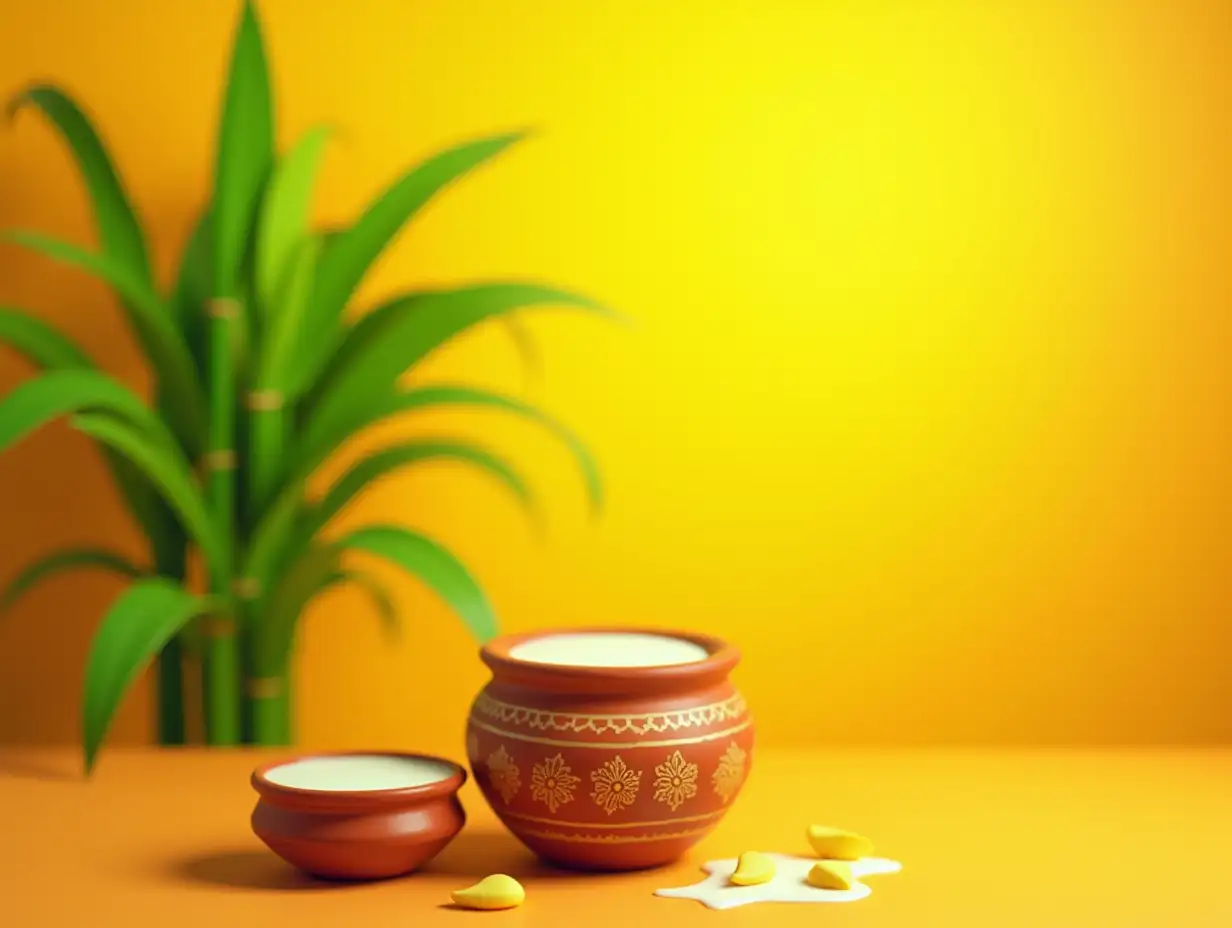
(385, 462)
(60, 561)
(46, 349)
(170, 475)
(315, 573)
(119, 229)
(35, 402)
(136, 627)
(394, 337)
(291, 535)
(281, 348)
(162, 341)
(191, 292)
(39, 343)
(284, 214)
(380, 597)
(270, 540)
(348, 259)
(434, 566)
(330, 237)
(523, 341)
(274, 636)
(291, 523)
(143, 500)
(319, 442)
(268, 426)
(245, 154)
(122, 240)
(525, 346)
(436, 396)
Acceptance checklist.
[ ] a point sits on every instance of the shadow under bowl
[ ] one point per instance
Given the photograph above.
(359, 834)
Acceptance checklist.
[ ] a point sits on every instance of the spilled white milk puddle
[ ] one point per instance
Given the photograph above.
(790, 883)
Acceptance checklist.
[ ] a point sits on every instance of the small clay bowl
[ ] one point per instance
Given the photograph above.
(365, 823)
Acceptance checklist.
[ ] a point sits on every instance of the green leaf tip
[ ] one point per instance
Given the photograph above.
(249, 14)
(432, 565)
(450, 394)
(513, 136)
(116, 222)
(16, 103)
(60, 561)
(26, 97)
(244, 151)
(426, 449)
(136, 626)
(282, 220)
(153, 326)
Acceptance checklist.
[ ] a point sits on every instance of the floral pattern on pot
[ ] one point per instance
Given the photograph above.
(503, 774)
(552, 782)
(729, 775)
(616, 785)
(675, 781)
(610, 782)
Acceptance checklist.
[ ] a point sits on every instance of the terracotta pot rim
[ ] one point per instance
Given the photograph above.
(718, 663)
(335, 799)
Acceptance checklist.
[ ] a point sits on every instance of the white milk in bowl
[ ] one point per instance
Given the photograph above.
(609, 649)
(359, 773)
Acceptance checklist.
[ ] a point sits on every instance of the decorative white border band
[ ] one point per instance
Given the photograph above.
(728, 710)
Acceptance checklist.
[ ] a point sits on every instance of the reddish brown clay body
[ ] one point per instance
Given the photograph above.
(362, 835)
(610, 768)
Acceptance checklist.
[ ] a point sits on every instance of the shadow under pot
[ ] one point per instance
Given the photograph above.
(358, 816)
(609, 749)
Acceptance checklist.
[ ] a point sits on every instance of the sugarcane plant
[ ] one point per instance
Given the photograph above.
(260, 372)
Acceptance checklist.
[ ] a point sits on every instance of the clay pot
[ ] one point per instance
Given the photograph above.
(361, 834)
(610, 768)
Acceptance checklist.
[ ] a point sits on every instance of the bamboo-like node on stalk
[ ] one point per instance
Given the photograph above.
(265, 687)
(219, 459)
(219, 626)
(223, 308)
(265, 400)
(246, 587)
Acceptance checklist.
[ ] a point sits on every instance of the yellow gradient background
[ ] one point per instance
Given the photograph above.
(928, 403)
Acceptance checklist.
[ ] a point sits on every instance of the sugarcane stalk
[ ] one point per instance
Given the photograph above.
(267, 444)
(268, 696)
(223, 718)
(170, 550)
(172, 727)
(271, 710)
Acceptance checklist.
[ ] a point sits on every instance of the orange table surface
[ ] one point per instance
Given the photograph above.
(995, 839)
